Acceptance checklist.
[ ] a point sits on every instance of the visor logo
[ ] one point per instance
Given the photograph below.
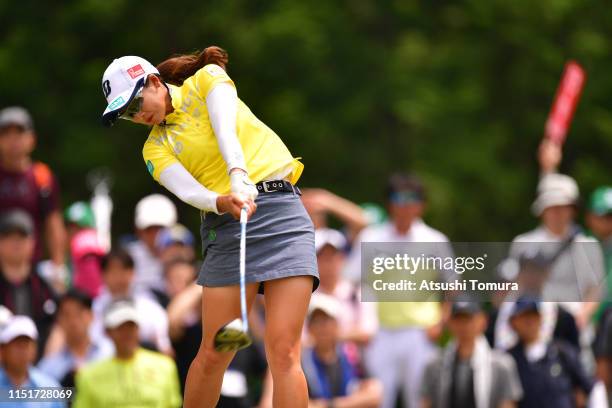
(135, 71)
(116, 103)
(106, 88)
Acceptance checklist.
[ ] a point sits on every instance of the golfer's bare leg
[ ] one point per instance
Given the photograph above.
(220, 305)
(286, 303)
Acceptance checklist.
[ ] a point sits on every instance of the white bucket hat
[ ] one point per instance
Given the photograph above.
(123, 78)
(555, 189)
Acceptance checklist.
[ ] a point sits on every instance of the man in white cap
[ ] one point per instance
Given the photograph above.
(332, 371)
(153, 213)
(18, 346)
(135, 376)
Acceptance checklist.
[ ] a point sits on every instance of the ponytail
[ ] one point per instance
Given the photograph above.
(177, 69)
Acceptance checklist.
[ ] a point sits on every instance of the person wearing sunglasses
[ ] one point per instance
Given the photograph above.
(412, 322)
(211, 151)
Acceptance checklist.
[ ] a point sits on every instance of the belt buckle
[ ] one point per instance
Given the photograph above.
(265, 187)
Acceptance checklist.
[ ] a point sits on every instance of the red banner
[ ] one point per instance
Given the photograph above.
(565, 103)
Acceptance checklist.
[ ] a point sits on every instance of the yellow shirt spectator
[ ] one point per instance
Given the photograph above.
(148, 380)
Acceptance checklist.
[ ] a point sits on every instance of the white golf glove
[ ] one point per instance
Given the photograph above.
(242, 184)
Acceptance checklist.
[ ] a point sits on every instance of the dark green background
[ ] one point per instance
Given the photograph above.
(456, 91)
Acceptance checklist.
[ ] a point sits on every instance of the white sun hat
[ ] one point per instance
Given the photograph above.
(553, 190)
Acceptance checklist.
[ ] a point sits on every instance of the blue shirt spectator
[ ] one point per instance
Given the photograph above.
(330, 369)
(18, 346)
(74, 318)
(36, 379)
(328, 380)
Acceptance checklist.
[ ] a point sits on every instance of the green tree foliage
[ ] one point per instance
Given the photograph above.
(455, 91)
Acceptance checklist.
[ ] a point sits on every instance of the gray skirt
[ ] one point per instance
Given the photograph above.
(279, 243)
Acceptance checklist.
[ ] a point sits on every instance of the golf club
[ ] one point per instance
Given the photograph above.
(235, 334)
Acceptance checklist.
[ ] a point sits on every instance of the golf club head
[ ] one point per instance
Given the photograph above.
(232, 337)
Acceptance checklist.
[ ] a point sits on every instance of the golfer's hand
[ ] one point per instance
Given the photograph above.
(233, 202)
(242, 184)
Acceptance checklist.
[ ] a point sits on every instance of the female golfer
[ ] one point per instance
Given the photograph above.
(208, 149)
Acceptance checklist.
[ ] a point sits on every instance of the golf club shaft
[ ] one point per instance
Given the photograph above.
(243, 307)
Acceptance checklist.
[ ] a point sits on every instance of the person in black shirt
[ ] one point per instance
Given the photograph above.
(550, 373)
(22, 290)
(468, 373)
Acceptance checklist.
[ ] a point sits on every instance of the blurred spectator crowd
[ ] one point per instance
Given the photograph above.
(121, 324)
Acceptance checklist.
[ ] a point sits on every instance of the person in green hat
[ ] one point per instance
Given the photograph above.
(599, 220)
(374, 213)
(78, 216)
(85, 248)
(599, 215)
